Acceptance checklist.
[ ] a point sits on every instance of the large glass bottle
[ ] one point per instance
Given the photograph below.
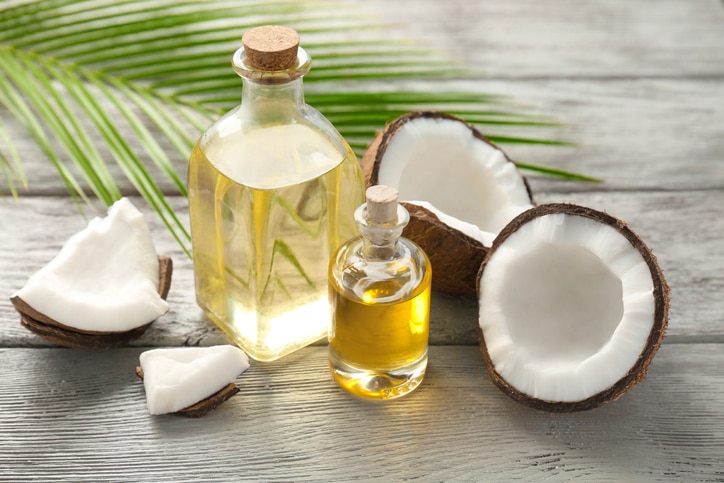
(379, 289)
(272, 192)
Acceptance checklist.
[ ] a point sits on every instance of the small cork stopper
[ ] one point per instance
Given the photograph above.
(382, 204)
(271, 47)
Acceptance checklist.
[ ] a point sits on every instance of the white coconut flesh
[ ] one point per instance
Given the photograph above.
(566, 307)
(468, 183)
(105, 278)
(178, 377)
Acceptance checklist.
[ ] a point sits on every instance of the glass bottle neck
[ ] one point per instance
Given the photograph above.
(291, 91)
(380, 241)
(375, 250)
(272, 96)
(272, 103)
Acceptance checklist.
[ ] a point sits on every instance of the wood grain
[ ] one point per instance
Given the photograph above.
(633, 133)
(637, 87)
(682, 228)
(569, 38)
(82, 414)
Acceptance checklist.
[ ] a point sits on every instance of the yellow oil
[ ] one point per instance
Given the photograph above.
(378, 350)
(262, 238)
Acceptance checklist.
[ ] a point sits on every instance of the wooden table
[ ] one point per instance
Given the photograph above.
(638, 86)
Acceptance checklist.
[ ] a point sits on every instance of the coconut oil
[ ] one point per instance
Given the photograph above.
(272, 192)
(380, 296)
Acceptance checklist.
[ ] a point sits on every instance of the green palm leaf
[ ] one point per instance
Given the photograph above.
(132, 83)
(10, 164)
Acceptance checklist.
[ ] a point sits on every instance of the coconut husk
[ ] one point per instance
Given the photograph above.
(446, 248)
(61, 334)
(455, 257)
(661, 313)
(206, 405)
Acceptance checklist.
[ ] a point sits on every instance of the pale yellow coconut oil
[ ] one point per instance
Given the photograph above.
(263, 232)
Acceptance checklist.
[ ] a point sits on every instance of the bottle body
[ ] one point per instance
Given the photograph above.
(378, 337)
(272, 193)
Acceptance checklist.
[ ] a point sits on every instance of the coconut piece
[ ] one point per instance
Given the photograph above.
(190, 380)
(459, 188)
(106, 282)
(57, 333)
(573, 307)
(205, 406)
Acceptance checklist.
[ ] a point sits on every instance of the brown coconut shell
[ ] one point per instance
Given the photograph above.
(206, 405)
(454, 256)
(61, 334)
(445, 247)
(661, 312)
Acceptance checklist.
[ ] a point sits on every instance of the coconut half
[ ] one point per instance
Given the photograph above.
(573, 307)
(104, 288)
(459, 188)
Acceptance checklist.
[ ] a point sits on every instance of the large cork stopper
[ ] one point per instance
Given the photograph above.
(271, 47)
(382, 204)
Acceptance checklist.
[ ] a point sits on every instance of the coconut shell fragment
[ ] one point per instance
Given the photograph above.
(190, 380)
(104, 287)
(459, 188)
(60, 334)
(206, 405)
(445, 247)
(573, 308)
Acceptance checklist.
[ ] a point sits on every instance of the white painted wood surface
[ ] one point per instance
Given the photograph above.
(638, 86)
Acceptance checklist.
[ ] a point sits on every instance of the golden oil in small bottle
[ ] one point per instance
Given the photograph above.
(379, 290)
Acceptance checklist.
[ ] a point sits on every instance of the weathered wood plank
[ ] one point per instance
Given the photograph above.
(81, 415)
(569, 38)
(683, 228)
(650, 97)
(633, 134)
(633, 131)
(48, 222)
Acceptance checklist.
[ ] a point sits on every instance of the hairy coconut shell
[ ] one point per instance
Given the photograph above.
(656, 336)
(61, 334)
(206, 405)
(455, 257)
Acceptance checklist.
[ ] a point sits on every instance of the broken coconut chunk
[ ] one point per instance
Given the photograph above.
(459, 188)
(190, 380)
(573, 307)
(105, 286)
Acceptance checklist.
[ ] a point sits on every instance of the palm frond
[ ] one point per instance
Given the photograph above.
(136, 82)
(10, 164)
(13, 98)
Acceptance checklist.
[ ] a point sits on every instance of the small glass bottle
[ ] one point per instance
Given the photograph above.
(379, 290)
(272, 192)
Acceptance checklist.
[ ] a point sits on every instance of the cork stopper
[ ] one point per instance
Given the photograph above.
(271, 47)
(382, 204)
